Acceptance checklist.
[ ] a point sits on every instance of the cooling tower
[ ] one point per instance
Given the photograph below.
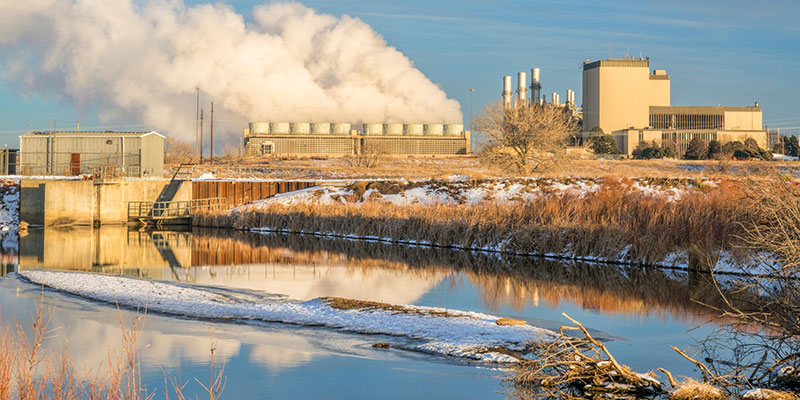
(393, 129)
(412, 129)
(279, 128)
(433, 129)
(453, 129)
(340, 128)
(321, 128)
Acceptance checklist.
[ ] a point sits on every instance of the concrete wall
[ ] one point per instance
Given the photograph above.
(111, 249)
(743, 120)
(69, 202)
(729, 136)
(659, 90)
(616, 96)
(56, 203)
(111, 199)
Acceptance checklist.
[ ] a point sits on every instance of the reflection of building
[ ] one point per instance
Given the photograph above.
(626, 100)
(327, 139)
(105, 153)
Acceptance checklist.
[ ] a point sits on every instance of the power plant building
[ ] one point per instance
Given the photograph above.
(338, 139)
(107, 153)
(625, 99)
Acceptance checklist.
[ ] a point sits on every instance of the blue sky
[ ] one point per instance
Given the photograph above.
(717, 52)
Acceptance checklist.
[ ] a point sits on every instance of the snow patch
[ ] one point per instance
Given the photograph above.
(460, 334)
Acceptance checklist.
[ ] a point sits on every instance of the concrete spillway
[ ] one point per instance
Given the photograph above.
(49, 202)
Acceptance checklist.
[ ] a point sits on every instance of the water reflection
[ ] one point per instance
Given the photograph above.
(304, 267)
(653, 309)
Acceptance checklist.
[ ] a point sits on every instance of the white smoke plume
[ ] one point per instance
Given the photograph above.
(141, 61)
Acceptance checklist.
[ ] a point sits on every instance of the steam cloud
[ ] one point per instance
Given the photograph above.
(141, 62)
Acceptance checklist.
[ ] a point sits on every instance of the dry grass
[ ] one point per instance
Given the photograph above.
(29, 370)
(767, 394)
(577, 367)
(611, 223)
(691, 389)
(341, 303)
(428, 167)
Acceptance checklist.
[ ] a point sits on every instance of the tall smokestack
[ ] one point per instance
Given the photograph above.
(555, 99)
(536, 86)
(522, 89)
(507, 91)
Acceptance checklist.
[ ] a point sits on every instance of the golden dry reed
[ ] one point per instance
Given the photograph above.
(613, 223)
(30, 370)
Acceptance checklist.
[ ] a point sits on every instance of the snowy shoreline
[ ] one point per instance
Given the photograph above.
(462, 334)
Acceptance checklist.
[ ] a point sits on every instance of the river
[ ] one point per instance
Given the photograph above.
(639, 312)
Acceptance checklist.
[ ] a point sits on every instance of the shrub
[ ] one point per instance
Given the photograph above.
(652, 150)
(697, 150)
(714, 150)
(603, 144)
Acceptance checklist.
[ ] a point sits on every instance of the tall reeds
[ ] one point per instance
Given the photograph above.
(30, 370)
(613, 223)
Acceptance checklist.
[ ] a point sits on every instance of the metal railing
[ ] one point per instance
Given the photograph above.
(154, 210)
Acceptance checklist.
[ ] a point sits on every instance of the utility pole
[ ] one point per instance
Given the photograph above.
(197, 123)
(201, 136)
(471, 91)
(212, 133)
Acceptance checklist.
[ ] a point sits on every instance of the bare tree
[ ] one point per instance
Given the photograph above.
(369, 155)
(526, 138)
(177, 152)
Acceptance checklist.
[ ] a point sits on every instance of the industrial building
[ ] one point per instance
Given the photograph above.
(100, 153)
(536, 96)
(331, 139)
(625, 99)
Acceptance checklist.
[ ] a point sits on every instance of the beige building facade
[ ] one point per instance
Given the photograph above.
(625, 99)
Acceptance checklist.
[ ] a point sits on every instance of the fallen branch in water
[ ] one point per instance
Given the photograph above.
(574, 367)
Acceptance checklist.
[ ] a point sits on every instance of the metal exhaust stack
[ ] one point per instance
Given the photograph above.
(536, 86)
(522, 89)
(507, 91)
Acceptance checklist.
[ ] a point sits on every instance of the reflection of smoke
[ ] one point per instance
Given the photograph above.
(143, 62)
(281, 353)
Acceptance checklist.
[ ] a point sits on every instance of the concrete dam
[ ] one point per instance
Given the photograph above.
(49, 202)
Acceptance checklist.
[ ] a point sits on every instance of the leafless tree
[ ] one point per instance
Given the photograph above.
(526, 138)
(177, 152)
(369, 156)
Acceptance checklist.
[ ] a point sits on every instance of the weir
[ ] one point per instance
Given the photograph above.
(51, 202)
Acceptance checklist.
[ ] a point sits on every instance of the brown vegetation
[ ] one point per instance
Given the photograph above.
(576, 367)
(612, 223)
(31, 371)
(526, 138)
(355, 304)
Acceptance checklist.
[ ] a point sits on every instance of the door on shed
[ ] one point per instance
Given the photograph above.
(74, 164)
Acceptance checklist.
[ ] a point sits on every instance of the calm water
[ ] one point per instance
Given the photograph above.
(640, 312)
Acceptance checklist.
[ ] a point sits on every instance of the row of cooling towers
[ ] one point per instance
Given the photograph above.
(324, 128)
(536, 88)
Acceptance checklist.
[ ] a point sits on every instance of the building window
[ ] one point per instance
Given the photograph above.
(267, 148)
(109, 141)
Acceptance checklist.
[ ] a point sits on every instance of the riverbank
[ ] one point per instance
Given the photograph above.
(653, 221)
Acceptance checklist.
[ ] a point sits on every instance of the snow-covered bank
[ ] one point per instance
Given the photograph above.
(470, 192)
(9, 216)
(9, 205)
(459, 334)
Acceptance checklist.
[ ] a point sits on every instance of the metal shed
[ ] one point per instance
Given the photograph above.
(101, 153)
